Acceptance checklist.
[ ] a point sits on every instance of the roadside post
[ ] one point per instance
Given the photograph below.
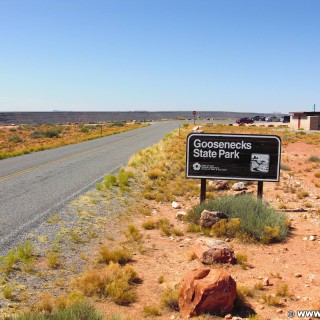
(194, 116)
(233, 157)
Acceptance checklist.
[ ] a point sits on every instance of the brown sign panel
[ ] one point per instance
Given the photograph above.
(233, 156)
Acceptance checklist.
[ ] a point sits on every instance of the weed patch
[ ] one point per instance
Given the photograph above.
(169, 299)
(121, 256)
(114, 281)
(257, 220)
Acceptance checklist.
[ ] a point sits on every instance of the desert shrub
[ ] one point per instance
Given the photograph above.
(52, 133)
(150, 311)
(86, 129)
(15, 139)
(169, 299)
(193, 216)
(117, 124)
(133, 233)
(7, 291)
(242, 259)
(282, 205)
(120, 256)
(164, 226)
(78, 311)
(99, 186)
(155, 174)
(53, 259)
(226, 227)
(302, 194)
(8, 262)
(256, 218)
(193, 228)
(271, 300)
(110, 180)
(314, 159)
(36, 135)
(26, 251)
(317, 174)
(284, 167)
(149, 224)
(123, 178)
(115, 282)
(283, 291)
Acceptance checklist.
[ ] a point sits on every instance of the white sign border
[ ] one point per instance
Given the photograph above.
(234, 135)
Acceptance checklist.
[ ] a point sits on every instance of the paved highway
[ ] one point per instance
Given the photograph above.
(35, 185)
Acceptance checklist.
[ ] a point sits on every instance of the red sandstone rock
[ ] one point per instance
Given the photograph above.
(206, 291)
(210, 251)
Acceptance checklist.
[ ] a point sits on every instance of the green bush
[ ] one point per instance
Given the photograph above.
(52, 133)
(314, 159)
(123, 178)
(36, 135)
(110, 180)
(86, 129)
(117, 124)
(15, 139)
(79, 311)
(257, 220)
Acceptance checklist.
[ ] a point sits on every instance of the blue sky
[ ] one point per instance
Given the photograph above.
(126, 55)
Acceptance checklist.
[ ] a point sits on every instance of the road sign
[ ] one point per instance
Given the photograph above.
(233, 157)
(194, 112)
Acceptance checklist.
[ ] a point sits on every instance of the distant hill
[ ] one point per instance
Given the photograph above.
(86, 117)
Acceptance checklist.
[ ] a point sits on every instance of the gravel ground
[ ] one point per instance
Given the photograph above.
(76, 232)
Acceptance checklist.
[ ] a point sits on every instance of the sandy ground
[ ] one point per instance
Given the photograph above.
(294, 262)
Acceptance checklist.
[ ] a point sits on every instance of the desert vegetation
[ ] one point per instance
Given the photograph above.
(24, 139)
(123, 253)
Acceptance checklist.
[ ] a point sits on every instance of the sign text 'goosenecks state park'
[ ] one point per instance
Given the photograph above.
(236, 157)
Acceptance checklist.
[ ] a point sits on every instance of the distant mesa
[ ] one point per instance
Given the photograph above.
(63, 116)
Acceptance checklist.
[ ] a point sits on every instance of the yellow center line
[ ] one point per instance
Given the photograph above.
(22, 172)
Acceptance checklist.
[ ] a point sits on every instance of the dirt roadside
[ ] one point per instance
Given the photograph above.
(294, 263)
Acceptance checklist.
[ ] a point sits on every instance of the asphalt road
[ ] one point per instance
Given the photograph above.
(35, 185)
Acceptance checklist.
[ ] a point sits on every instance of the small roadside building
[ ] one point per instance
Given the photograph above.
(305, 120)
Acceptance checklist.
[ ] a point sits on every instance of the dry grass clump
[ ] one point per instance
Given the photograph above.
(169, 299)
(167, 228)
(114, 282)
(272, 300)
(242, 260)
(7, 291)
(283, 291)
(110, 181)
(121, 256)
(53, 259)
(149, 224)
(150, 311)
(22, 254)
(193, 228)
(154, 174)
(302, 194)
(47, 303)
(133, 234)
